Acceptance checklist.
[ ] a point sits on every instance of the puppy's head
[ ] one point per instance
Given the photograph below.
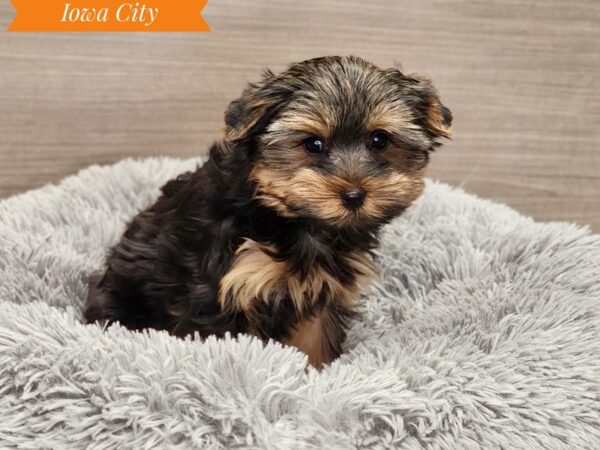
(338, 140)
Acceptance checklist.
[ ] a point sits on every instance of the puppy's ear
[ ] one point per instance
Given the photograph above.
(420, 94)
(434, 117)
(252, 112)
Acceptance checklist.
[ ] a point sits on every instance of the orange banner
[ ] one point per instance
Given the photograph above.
(109, 15)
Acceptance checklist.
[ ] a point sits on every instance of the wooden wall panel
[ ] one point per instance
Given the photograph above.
(522, 78)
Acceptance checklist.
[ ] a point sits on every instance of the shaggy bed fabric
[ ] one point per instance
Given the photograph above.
(484, 332)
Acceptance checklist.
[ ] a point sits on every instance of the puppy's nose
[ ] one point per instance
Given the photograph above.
(353, 197)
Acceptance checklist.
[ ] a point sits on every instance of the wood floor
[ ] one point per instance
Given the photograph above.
(522, 78)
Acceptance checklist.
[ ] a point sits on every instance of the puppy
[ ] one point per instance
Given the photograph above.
(273, 235)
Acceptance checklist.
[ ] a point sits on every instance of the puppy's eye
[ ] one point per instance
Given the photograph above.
(379, 140)
(314, 145)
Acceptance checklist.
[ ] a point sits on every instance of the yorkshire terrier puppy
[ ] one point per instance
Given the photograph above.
(273, 235)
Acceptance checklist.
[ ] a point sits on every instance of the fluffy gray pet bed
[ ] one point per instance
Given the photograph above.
(484, 332)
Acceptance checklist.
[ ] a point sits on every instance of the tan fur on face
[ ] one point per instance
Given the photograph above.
(320, 195)
(392, 117)
(315, 120)
(256, 276)
(283, 144)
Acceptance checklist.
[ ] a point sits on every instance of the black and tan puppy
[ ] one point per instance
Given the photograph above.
(273, 235)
